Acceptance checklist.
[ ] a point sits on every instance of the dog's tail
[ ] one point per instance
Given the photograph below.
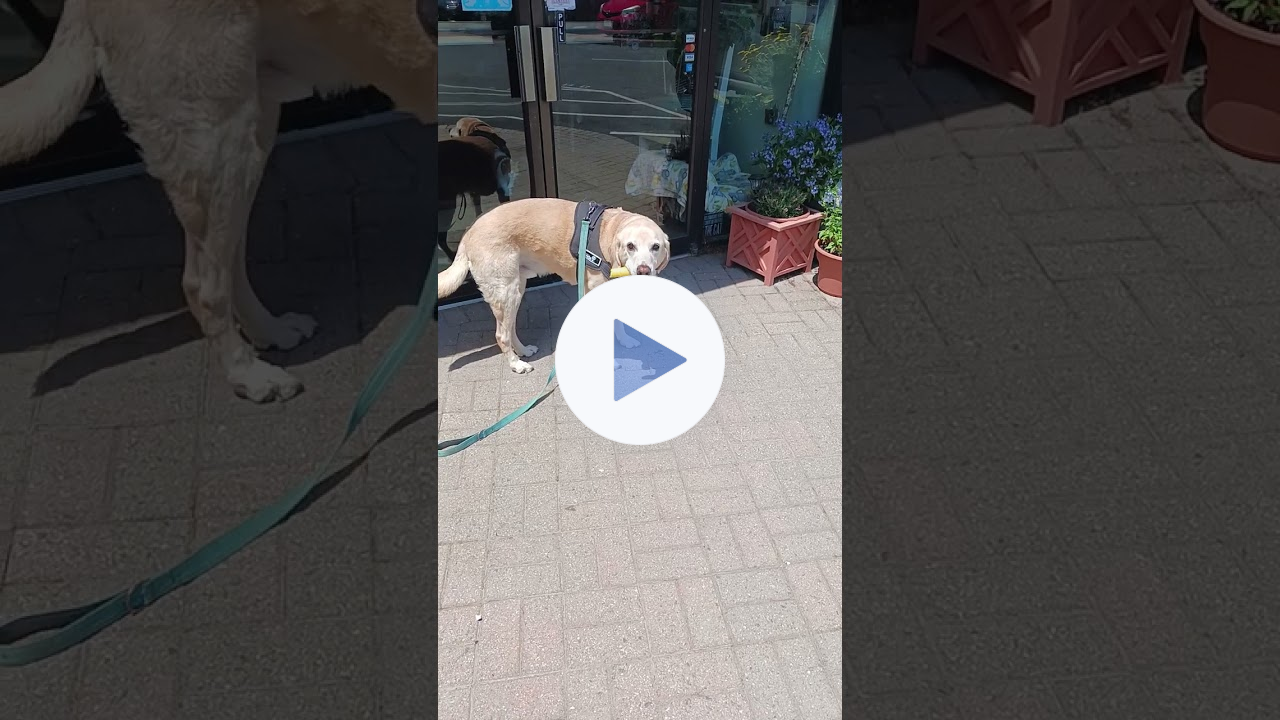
(453, 276)
(41, 105)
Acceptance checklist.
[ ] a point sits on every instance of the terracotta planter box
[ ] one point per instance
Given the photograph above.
(1056, 50)
(1242, 85)
(830, 272)
(771, 247)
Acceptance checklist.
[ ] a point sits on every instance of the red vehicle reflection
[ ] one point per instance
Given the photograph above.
(636, 19)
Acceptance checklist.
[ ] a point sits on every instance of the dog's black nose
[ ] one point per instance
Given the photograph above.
(643, 270)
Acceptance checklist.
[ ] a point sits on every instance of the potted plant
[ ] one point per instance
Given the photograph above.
(830, 246)
(775, 233)
(1241, 110)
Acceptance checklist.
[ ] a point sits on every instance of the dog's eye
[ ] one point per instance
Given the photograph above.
(656, 247)
(631, 247)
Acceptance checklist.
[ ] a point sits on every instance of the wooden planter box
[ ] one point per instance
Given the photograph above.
(771, 247)
(1057, 49)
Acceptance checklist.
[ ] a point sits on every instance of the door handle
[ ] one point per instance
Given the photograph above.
(550, 72)
(524, 63)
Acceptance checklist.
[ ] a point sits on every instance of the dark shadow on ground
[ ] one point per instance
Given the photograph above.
(341, 229)
(479, 355)
(1195, 107)
(150, 339)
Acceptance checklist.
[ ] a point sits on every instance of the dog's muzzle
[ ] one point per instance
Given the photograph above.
(643, 270)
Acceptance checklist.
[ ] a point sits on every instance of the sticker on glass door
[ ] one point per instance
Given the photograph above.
(486, 5)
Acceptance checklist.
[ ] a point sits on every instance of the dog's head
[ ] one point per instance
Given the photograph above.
(641, 245)
(468, 126)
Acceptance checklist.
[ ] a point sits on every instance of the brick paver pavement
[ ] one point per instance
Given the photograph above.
(1063, 406)
(697, 579)
(122, 448)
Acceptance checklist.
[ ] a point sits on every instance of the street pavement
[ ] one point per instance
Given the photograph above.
(1062, 408)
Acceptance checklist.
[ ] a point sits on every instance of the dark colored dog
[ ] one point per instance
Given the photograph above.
(473, 162)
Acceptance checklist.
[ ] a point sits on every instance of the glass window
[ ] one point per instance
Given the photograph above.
(772, 68)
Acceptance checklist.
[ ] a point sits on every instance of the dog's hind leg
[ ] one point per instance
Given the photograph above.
(504, 298)
(257, 323)
(514, 298)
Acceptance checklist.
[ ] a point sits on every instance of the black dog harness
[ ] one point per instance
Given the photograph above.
(587, 214)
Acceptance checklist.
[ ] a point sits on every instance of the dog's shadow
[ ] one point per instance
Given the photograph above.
(151, 339)
(474, 356)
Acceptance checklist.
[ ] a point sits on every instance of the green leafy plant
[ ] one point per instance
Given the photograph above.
(778, 200)
(830, 235)
(1261, 14)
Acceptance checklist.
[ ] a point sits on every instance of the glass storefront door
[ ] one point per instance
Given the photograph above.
(484, 55)
(620, 90)
(592, 100)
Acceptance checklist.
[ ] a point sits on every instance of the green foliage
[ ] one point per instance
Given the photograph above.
(830, 235)
(778, 199)
(1261, 14)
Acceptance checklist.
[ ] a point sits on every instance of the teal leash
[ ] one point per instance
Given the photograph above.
(73, 626)
(455, 446)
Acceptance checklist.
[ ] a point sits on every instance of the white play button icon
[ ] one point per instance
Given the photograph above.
(640, 360)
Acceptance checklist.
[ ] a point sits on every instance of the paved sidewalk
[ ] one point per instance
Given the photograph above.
(1063, 414)
(122, 448)
(698, 579)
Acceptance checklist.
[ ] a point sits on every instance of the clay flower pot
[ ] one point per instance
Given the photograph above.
(830, 272)
(1242, 87)
(771, 246)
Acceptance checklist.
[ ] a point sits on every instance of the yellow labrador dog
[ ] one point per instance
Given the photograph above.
(530, 238)
(200, 83)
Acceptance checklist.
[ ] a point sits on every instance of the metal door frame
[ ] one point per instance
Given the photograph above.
(540, 125)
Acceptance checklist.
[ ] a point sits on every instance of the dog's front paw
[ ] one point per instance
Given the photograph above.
(528, 351)
(285, 332)
(628, 341)
(263, 383)
(521, 367)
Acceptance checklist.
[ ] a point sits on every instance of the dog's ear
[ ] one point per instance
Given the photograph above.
(666, 254)
(461, 127)
(619, 243)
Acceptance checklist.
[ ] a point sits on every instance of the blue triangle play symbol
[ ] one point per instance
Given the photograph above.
(637, 366)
